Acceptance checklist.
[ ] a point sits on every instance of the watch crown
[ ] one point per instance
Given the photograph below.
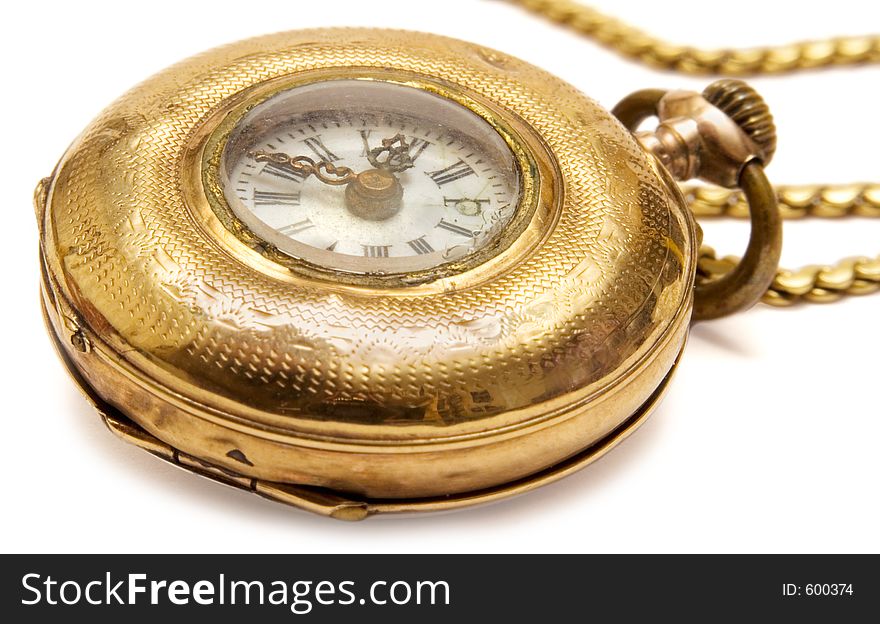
(748, 110)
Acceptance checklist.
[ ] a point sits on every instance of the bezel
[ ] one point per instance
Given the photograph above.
(534, 211)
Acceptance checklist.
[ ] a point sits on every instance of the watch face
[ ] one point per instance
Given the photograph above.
(369, 177)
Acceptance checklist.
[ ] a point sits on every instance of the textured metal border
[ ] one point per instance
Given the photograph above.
(340, 505)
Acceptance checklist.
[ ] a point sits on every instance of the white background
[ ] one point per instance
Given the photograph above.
(766, 442)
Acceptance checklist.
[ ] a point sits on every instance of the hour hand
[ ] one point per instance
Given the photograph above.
(392, 155)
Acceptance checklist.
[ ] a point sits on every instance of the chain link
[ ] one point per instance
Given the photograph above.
(795, 202)
(634, 43)
(815, 283)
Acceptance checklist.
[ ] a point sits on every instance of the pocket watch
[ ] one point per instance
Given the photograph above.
(363, 271)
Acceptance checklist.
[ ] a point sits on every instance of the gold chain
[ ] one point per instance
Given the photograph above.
(815, 283)
(634, 43)
(819, 283)
(795, 202)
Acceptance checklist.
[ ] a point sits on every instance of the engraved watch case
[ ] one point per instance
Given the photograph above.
(351, 393)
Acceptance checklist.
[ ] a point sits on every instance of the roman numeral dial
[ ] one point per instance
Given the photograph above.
(273, 198)
(284, 173)
(401, 184)
(417, 146)
(420, 245)
(320, 150)
(455, 228)
(456, 171)
(376, 251)
(296, 228)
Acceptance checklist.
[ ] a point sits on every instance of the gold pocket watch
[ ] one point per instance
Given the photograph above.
(364, 271)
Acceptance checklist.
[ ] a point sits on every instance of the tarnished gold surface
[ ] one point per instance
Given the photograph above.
(345, 506)
(696, 139)
(724, 136)
(461, 384)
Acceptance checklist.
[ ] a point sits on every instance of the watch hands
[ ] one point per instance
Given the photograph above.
(374, 194)
(396, 154)
(326, 172)
(392, 156)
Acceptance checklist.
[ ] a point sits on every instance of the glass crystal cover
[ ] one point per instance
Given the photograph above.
(367, 176)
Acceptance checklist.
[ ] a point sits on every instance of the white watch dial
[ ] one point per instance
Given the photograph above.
(427, 180)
